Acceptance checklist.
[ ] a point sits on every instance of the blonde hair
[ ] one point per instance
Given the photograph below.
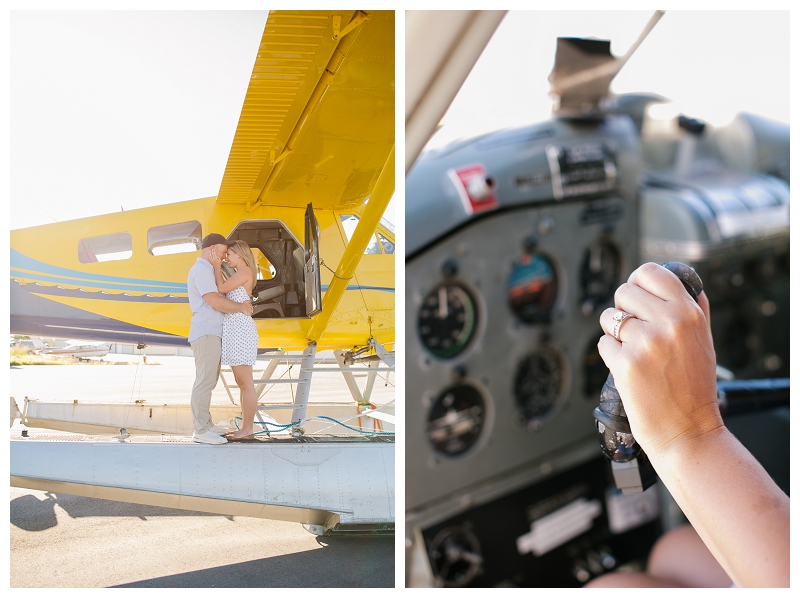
(243, 250)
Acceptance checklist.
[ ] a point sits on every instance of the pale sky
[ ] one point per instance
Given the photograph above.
(124, 109)
(133, 109)
(713, 64)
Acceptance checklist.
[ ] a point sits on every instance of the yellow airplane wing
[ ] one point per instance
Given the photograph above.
(317, 122)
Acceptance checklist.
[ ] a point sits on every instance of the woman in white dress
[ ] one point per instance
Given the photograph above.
(239, 334)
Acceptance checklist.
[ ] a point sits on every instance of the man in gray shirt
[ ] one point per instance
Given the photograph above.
(205, 335)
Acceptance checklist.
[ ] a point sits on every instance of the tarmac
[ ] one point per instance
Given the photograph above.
(61, 540)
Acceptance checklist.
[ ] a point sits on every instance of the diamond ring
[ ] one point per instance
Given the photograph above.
(619, 318)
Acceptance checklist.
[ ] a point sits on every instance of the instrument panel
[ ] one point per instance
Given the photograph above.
(503, 296)
(496, 362)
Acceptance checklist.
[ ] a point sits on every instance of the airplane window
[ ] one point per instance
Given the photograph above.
(388, 246)
(105, 248)
(373, 246)
(266, 271)
(387, 225)
(349, 223)
(182, 237)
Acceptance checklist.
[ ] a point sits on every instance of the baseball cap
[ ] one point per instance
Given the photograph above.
(215, 239)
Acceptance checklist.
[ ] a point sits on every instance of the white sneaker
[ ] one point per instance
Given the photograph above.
(218, 430)
(208, 437)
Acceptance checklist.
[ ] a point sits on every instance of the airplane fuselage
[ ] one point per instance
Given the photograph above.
(111, 278)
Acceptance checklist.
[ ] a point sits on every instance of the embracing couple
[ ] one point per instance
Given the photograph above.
(222, 333)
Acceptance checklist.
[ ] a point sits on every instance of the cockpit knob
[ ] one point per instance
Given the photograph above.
(530, 243)
(450, 268)
(481, 188)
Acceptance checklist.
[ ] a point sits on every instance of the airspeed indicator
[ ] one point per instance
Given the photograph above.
(447, 320)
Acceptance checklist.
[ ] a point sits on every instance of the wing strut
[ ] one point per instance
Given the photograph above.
(442, 46)
(368, 222)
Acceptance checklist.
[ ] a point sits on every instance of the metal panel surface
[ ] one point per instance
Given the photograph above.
(481, 252)
(352, 479)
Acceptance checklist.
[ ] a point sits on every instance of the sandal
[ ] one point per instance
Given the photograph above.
(231, 438)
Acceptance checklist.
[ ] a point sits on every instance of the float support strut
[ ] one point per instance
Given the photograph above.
(303, 388)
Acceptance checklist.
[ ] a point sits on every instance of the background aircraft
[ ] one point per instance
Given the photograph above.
(80, 349)
(31, 345)
(517, 240)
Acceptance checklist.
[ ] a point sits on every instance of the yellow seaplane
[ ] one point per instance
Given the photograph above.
(308, 178)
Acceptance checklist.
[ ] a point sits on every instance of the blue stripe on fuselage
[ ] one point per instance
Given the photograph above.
(359, 287)
(19, 260)
(60, 275)
(95, 285)
(58, 291)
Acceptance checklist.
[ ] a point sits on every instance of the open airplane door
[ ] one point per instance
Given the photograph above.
(313, 285)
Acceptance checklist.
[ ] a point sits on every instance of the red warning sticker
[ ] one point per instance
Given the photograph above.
(476, 189)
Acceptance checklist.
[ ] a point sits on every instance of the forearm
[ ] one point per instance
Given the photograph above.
(220, 303)
(219, 278)
(733, 504)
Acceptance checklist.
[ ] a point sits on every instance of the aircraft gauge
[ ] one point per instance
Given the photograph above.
(456, 419)
(455, 555)
(600, 273)
(538, 382)
(447, 320)
(532, 288)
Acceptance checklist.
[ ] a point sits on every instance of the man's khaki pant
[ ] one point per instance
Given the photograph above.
(207, 354)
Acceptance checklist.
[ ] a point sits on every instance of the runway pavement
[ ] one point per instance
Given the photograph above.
(60, 540)
(166, 379)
